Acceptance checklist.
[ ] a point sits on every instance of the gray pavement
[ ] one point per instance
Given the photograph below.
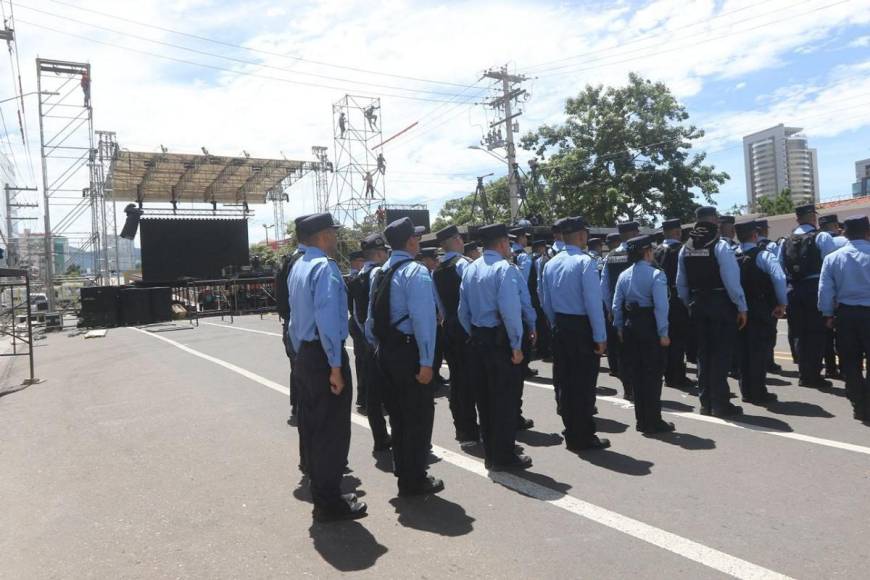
(167, 454)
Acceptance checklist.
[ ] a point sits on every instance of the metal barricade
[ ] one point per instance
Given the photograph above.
(15, 315)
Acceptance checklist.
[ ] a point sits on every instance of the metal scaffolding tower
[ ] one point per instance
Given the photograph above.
(322, 168)
(359, 188)
(107, 149)
(66, 139)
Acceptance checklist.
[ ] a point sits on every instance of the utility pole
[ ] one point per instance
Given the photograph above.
(510, 92)
(11, 250)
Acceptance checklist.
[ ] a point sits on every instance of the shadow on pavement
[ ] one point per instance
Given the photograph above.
(685, 440)
(433, 514)
(834, 391)
(617, 462)
(346, 546)
(677, 406)
(539, 486)
(605, 391)
(537, 439)
(610, 426)
(773, 382)
(763, 422)
(383, 461)
(798, 409)
(540, 380)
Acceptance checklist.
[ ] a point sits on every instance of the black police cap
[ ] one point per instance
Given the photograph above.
(613, 238)
(746, 228)
(469, 247)
(317, 222)
(627, 227)
(517, 231)
(706, 213)
(828, 219)
(762, 224)
(857, 225)
(299, 221)
(446, 233)
(429, 253)
(671, 224)
(594, 242)
(357, 255)
(726, 219)
(806, 209)
(492, 232)
(638, 243)
(557, 225)
(539, 243)
(401, 230)
(374, 242)
(574, 224)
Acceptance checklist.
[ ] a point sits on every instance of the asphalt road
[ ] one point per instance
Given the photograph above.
(167, 454)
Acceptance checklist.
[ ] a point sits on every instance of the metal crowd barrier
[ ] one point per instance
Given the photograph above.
(225, 297)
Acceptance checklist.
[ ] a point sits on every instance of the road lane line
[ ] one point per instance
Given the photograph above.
(736, 424)
(686, 415)
(691, 550)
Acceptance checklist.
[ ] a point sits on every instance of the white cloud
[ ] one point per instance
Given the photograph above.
(686, 44)
(860, 42)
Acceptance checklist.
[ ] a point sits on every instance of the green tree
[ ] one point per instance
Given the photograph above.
(776, 205)
(74, 270)
(623, 153)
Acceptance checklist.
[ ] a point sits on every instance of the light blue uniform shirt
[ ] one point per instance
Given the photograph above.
(490, 295)
(571, 286)
(771, 247)
(845, 277)
(824, 242)
(728, 270)
(840, 241)
(412, 300)
(768, 263)
(558, 246)
(605, 279)
(646, 286)
(318, 304)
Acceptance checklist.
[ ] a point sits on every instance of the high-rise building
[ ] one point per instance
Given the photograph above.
(861, 187)
(779, 158)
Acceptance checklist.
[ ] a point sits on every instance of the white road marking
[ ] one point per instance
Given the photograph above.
(700, 553)
(736, 424)
(693, 416)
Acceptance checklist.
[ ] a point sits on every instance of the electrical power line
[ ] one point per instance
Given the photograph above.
(234, 59)
(694, 44)
(649, 36)
(257, 50)
(215, 67)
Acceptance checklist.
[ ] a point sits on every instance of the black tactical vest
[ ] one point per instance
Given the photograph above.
(616, 263)
(702, 267)
(801, 256)
(358, 292)
(667, 258)
(757, 285)
(447, 281)
(282, 292)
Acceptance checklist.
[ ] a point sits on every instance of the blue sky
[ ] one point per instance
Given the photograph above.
(739, 66)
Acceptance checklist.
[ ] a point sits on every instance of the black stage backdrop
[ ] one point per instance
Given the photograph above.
(196, 248)
(419, 217)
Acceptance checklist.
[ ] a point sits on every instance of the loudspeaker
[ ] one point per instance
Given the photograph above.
(135, 306)
(160, 299)
(131, 226)
(100, 306)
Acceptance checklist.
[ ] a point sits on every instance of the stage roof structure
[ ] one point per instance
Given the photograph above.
(166, 177)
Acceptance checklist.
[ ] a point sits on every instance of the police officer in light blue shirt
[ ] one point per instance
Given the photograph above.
(844, 301)
(318, 329)
(490, 311)
(831, 224)
(708, 282)
(518, 237)
(282, 298)
(615, 264)
(571, 299)
(764, 285)
(801, 256)
(640, 316)
(402, 320)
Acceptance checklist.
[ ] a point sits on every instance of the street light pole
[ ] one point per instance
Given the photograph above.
(266, 228)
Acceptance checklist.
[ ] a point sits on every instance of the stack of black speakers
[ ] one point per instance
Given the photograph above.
(109, 306)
